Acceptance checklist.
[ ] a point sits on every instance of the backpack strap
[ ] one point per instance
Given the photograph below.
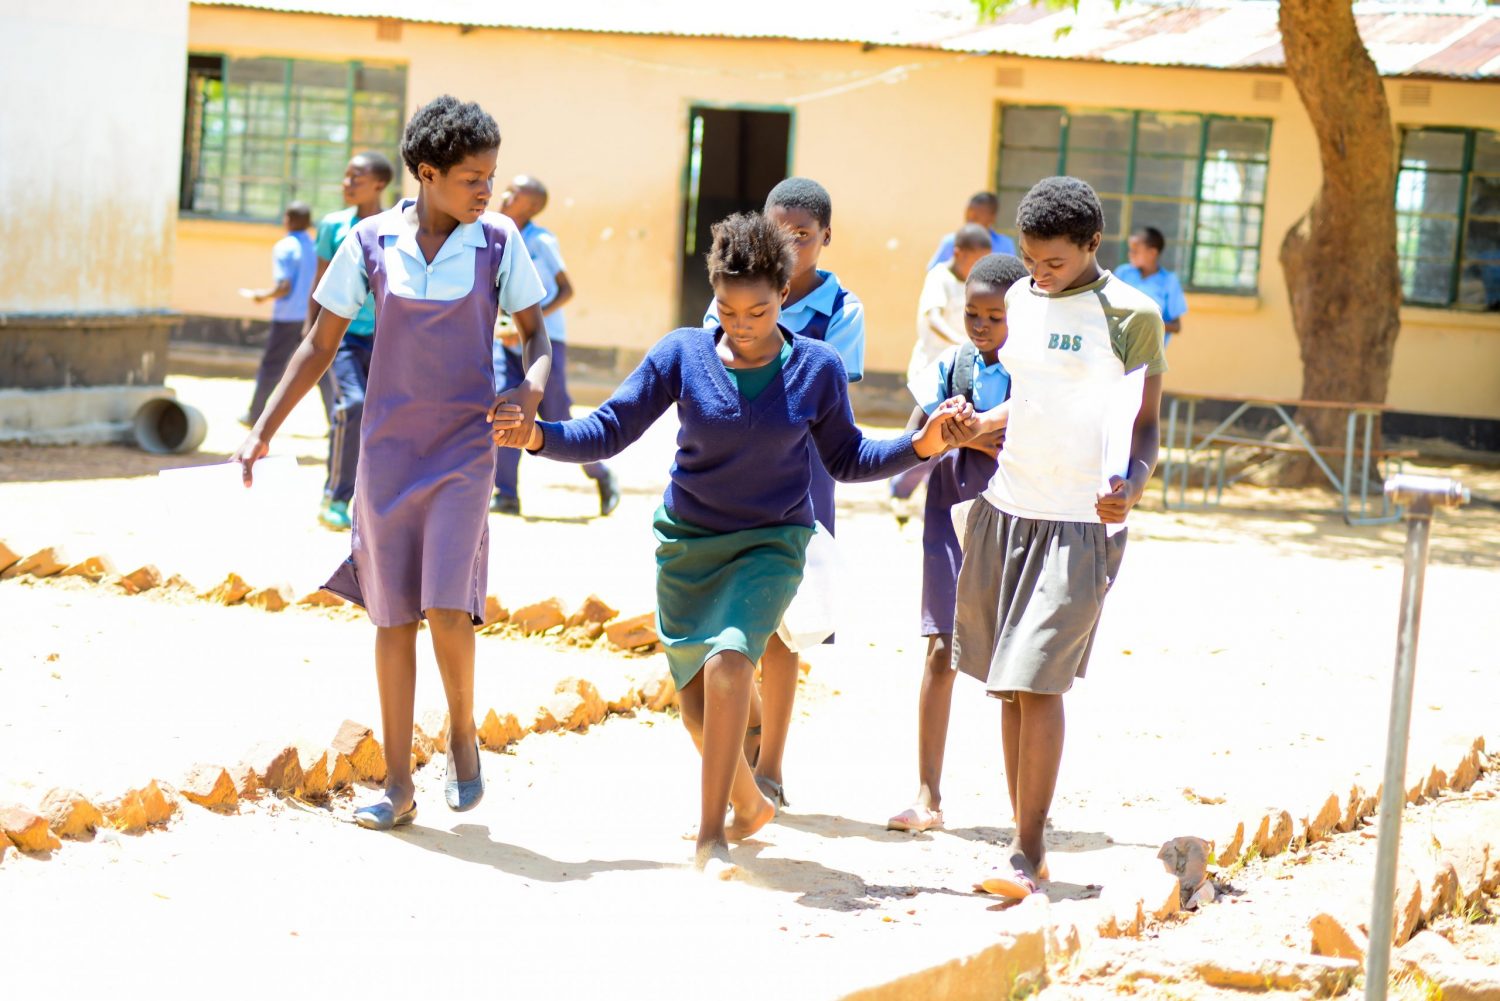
(961, 377)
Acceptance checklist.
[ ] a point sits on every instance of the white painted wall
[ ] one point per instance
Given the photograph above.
(91, 106)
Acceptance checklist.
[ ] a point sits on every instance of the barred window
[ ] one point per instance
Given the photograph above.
(260, 133)
(1200, 179)
(1448, 217)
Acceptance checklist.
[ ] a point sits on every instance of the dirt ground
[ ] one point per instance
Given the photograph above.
(1245, 655)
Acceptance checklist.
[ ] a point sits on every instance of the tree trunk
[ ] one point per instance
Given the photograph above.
(1340, 258)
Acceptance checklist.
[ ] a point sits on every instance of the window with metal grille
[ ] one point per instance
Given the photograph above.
(1200, 179)
(260, 133)
(1448, 217)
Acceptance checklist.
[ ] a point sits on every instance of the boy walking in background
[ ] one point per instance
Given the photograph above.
(1146, 273)
(982, 209)
(365, 180)
(293, 267)
(523, 200)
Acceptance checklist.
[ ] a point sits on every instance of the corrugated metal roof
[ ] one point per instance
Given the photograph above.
(1438, 38)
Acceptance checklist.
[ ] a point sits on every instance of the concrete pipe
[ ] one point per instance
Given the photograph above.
(165, 427)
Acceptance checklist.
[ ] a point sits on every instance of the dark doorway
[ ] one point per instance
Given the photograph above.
(734, 159)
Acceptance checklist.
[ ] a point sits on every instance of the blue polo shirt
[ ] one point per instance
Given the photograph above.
(332, 229)
(999, 244)
(846, 324)
(547, 259)
(991, 382)
(346, 285)
(293, 260)
(1161, 285)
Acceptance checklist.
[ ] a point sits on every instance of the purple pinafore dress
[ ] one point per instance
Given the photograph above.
(426, 460)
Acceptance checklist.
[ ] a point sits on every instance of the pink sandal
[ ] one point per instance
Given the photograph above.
(916, 820)
(1014, 885)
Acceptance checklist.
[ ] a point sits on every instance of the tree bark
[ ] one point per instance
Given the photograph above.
(1340, 258)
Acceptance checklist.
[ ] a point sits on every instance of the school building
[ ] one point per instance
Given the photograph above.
(650, 121)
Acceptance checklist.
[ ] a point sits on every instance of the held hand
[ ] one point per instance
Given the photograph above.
(1114, 504)
(932, 439)
(965, 423)
(988, 442)
(512, 416)
(248, 454)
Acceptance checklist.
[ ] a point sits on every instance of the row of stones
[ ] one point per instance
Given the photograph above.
(353, 756)
(593, 620)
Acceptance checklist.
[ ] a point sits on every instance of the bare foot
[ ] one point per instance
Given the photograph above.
(745, 825)
(714, 862)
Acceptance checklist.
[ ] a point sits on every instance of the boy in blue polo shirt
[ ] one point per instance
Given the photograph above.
(293, 266)
(982, 210)
(1146, 273)
(819, 307)
(365, 179)
(522, 202)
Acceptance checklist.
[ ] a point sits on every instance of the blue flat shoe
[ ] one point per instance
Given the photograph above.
(464, 795)
(382, 815)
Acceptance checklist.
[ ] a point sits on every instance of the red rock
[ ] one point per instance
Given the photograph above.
(1408, 906)
(577, 705)
(95, 568)
(269, 599)
(1352, 807)
(231, 591)
(632, 634)
(659, 693)
(320, 599)
(1274, 834)
(27, 831)
(42, 563)
(421, 747)
(8, 557)
(358, 745)
(1325, 822)
(1437, 782)
(593, 611)
(70, 815)
(210, 787)
(434, 723)
(1333, 937)
(538, 618)
(138, 809)
(498, 732)
(277, 768)
(1467, 771)
(138, 580)
(1162, 896)
(494, 612)
(1233, 848)
(316, 786)
(627, 701)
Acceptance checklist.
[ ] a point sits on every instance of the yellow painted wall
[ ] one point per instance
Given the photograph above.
(900, 138)
(90, 153)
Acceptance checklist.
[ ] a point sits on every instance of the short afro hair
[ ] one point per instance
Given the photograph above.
(1061, 206)
(972, 236)
(380, 167)
(803, 193)
(1151, 237)
(985, 199)
(444, 131)
(749, 247)
(998, 272)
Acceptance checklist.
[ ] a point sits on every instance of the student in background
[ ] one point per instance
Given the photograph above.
(523, 200)
(293, 268)
(1146, 273)
(982, 209)
(365, 181)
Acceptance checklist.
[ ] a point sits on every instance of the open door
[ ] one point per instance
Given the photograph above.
(734, 158)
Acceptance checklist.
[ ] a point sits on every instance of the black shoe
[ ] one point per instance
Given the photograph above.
(609, 495)
(505, 504)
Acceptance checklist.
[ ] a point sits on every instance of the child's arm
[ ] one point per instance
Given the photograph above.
(938, 324)
(850, 457)
(643, 397)
(536, 359)
(846, 335)
(309, 362)
(1145, 442)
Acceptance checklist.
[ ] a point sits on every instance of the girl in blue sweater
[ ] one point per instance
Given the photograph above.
(735, 521)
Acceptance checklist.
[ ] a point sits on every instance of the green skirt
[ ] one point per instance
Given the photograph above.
(722, 591)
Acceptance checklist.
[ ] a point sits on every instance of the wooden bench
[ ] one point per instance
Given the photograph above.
(1358, 450)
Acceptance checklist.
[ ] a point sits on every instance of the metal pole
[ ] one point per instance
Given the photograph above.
(1420, 494)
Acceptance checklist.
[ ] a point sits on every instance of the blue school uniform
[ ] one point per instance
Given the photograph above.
(1162, 286)
(834, 315)
(958, 476)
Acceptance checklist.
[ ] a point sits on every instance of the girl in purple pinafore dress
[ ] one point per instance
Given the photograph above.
(439, 267)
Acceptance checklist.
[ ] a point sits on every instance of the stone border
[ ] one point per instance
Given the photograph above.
(593, 620)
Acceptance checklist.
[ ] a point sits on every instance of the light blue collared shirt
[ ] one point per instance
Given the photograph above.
(999, 244)
(991, 382)
(846, 328)
(293, 260)
(1161, 285)
(449, 276)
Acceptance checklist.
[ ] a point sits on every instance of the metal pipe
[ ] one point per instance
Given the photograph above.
(1421, 495)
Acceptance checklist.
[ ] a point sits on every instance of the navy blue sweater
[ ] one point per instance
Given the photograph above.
(740, 463)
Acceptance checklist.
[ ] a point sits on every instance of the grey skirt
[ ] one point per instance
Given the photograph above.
(1029, 597)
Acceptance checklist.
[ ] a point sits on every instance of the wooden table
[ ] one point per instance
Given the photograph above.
(1360, 449)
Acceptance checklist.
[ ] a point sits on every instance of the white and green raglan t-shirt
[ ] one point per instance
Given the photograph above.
(1078, 361)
